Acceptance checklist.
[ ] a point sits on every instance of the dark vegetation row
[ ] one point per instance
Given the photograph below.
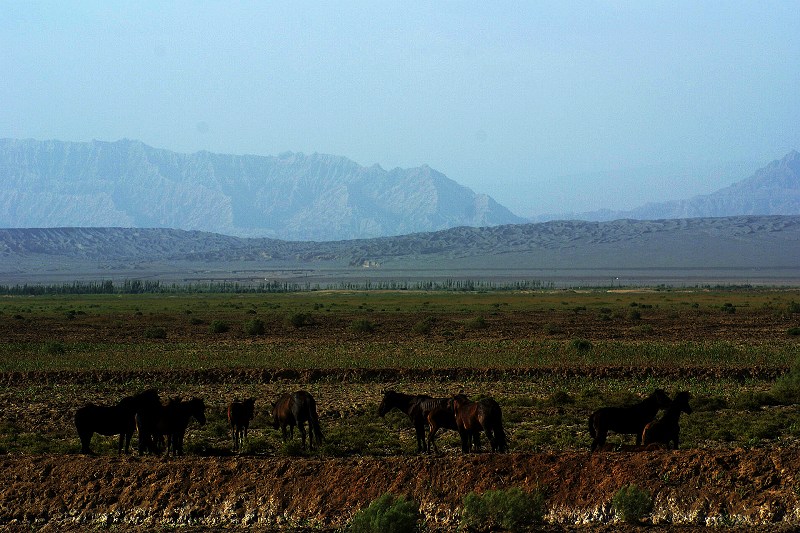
(382, 375)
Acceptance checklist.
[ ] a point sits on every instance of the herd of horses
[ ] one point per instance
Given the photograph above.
(161, 426)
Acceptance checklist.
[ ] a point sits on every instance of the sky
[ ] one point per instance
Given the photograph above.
(548, 107)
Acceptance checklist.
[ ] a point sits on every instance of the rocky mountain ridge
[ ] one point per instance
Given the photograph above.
(292, 196)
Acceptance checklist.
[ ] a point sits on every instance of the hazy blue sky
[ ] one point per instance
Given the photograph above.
(535, 103)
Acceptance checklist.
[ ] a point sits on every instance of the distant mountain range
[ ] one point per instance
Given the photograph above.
(771, 190)
(292, 196)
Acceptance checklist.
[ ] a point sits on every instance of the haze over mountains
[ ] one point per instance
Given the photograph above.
(293, 196)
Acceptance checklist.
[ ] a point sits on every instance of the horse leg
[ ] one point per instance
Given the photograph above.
(86, 440)
(302, 428)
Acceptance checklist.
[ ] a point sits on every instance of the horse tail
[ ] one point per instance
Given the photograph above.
(313, 422)
(592, 432)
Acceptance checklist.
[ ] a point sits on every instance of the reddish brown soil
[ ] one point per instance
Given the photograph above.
(757, 488)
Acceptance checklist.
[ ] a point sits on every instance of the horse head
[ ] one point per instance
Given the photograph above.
(661, 398)
(682, 401)
(198, 410)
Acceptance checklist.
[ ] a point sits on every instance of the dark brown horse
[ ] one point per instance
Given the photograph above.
(631, 419)
(119, 419)
(169, 421)
(408, 404)
(666, 429)
(472, 417)
(297, 409)
(240, 413)
(440, 414)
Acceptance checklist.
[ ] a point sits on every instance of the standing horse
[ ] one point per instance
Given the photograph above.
(169, 421)
(295, 409)
(472, 417)
(440, 414)
(666, 429)
(408, 404)
(119, 419)
(630, 419)
(240, 413)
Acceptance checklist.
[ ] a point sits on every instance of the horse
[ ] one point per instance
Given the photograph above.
(666, 429)
(631, 419)
(169, 421)
(408, 404)
(110, 420)
(240, 413)
(472, 417)
(440, 414)
(297, 409)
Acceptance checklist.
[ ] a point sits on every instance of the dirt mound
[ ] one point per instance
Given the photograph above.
(753, 488)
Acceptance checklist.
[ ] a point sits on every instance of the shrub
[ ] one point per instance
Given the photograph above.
(510, 509)
(255, 327)
(155, 333)
(479, 322)
(581, 345)
(634, 314)
(793, 307)
(299, 320)
(786, 390)
(793, 331)
(218, 326)
(54, 348)
(362, 325)
(424, 326)
(387, 514)
(632, 504)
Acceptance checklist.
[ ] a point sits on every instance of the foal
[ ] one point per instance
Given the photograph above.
(666, 429)
(240, 413)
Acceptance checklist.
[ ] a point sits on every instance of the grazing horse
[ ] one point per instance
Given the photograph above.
(630, 419)
(472, 417)
(119, 419)
(295, 409)
(440, 414)
(240, 413)
(666, 429)
(169, 421)
(408, 404)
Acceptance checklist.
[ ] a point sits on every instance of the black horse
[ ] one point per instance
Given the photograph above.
(297, 409)
(240, 413)
(409, 404)
(472, 417)
(168, 421)
(666, 429)
(630, 419)
(119, 419)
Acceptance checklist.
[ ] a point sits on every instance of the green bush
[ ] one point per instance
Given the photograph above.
(218, 326)
(387, 514)
(581, 345)
(634, 314)
(793, 331)
(155, 333)
(299, 320)
(786, 390)
(632, 504)
(362, 325)
(255, 326)
(479, 322)
(424, 326)
(510, 509)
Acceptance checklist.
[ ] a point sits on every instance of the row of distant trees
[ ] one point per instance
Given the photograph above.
(156, 287)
